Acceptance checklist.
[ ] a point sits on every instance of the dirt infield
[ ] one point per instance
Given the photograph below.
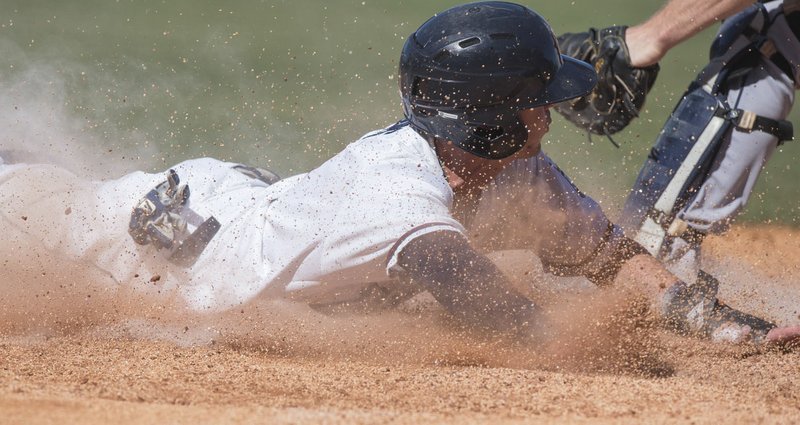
(413, 367)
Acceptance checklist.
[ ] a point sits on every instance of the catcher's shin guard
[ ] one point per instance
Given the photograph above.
(686, 148)
(680, 162)
(675, 168)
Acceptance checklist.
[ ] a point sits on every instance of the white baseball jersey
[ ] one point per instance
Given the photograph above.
(319, 236)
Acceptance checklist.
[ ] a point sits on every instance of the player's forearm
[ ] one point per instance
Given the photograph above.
(675, 22)
(466, 283)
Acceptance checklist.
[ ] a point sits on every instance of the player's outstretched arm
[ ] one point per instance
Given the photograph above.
(467, 284)
(677, 21)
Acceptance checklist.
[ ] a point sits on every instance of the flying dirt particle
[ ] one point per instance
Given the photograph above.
(24, 218)
(68, 211)
(155, 278)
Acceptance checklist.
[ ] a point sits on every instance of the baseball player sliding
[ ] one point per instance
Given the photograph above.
(398, 208)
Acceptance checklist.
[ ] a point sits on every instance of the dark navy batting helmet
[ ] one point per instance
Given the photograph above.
(467, 72)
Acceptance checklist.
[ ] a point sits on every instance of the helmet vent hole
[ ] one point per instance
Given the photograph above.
(469, 42)
(488, 132)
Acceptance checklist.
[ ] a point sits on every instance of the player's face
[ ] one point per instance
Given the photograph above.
(537, 121)
(473, 171)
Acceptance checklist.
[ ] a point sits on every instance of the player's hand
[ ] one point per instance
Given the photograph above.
(783, 336)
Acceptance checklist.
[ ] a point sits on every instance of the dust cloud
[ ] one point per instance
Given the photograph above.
(596, 331)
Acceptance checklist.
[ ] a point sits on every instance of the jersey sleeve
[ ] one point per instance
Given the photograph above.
(400, 203)
(390, 199)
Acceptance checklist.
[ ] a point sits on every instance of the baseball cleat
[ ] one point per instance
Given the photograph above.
(695, 310)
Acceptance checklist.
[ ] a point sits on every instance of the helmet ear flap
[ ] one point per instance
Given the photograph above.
(495, 139)
(416, 91)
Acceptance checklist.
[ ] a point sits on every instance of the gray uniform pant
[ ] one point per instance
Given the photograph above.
(766, 91)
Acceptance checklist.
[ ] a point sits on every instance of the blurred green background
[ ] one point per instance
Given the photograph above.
(285, 84)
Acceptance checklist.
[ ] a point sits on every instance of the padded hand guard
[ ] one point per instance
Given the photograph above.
(621, 89)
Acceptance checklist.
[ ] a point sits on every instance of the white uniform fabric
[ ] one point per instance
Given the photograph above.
(317, 237)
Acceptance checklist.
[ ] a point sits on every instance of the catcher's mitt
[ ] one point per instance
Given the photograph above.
(621, 89)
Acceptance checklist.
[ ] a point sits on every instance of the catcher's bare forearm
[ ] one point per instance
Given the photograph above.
(675, 22)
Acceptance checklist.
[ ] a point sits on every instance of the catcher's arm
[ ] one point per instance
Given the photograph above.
(626, 60)
(677, 21)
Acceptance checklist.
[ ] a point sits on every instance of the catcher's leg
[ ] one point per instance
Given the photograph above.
(767, 92)
(751, 72)
(722, 196)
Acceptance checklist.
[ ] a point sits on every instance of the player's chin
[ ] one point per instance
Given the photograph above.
(531, 149)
